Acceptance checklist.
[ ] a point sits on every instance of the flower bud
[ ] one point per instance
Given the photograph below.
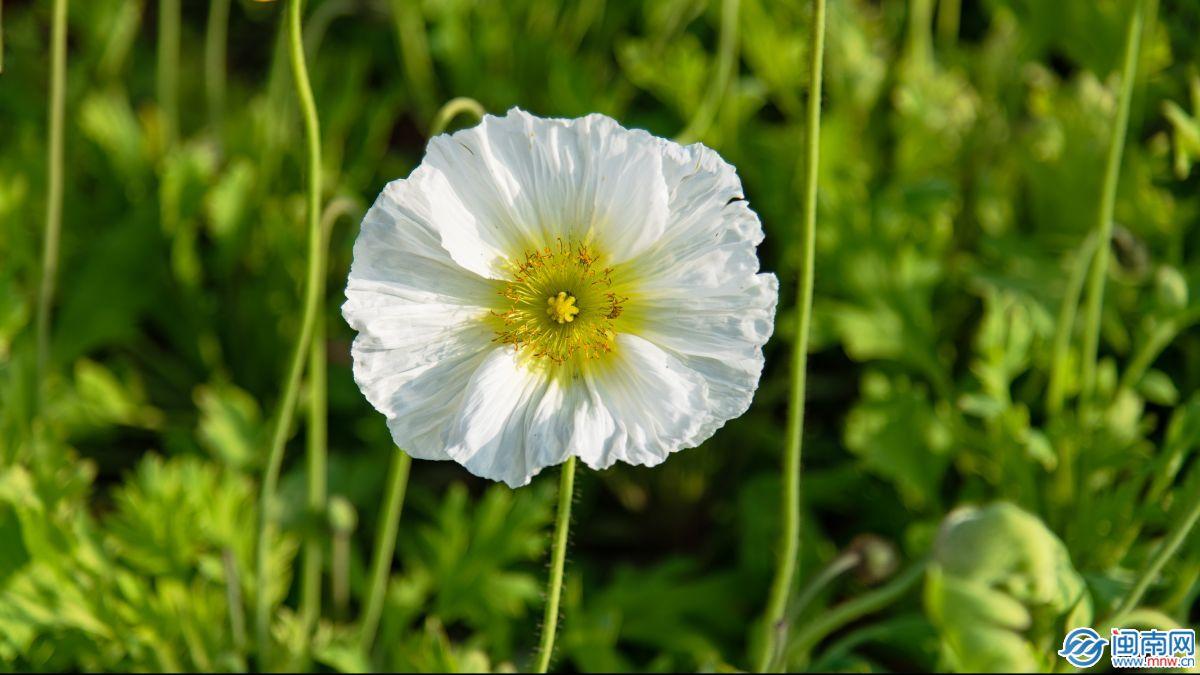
(1170, 288)
(343, 519)
(877, 558)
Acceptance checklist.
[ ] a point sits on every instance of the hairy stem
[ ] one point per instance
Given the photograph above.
(1108, 198)
(385, 547)
(54, 189)
(789, 544)
(312, 290)
(558, 557)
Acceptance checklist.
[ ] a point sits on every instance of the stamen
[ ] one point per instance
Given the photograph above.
(545, 321)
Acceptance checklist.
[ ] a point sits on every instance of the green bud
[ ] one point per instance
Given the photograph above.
(343, 519)
(1170, 288)
(877, 558)
(1001, 579)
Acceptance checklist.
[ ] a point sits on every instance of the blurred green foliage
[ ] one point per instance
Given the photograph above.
(959, 181)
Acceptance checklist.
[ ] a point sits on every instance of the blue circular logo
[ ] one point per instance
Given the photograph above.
(1083, 647)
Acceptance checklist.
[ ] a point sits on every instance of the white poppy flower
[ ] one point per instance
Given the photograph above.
(541, 288)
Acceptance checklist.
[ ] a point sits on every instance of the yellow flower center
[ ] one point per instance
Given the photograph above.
(559, 305)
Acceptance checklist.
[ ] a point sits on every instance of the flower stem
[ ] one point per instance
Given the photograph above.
(168, 69)
(453, 108)
(1159, 339)
(789, 545)
(830, 573)
(54, 189)
(409, 22)
(1108, 198)
(1175, 539)
(834, 619)
(214, 64)
(948, 21)
(312, 290)
(727, 44)
(310, 587)
(558, 557)
(1056, 388)
(385, 547)
(317, 446)
(233, 598)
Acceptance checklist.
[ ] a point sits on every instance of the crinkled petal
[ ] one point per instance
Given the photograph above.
(519, 183)
(671, 220)
(638, 405)
(419, 316)
(700, 296)
(492, 431)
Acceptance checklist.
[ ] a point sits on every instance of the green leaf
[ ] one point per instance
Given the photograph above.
(899, 435)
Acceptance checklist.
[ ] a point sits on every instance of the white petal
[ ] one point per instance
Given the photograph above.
(419, 317)
(673, 222)
(491, 431)
(711, 236)
(700, 296)
(640, 405)
(518, 183)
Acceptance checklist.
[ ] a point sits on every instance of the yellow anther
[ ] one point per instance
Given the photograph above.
(562, 307)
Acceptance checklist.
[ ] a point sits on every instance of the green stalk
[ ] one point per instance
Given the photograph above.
(948, 15)
(317, 446)
(1056, 387)
(1108, 198)
(558, 557)
(1175, 539)
(1064, 477)
(215, 39)
(343, 520)
(168, 69)
(54, 188)
(233, 598)
(727, 44)
(789, 545)
(1159, 339)
(830, 573)
(385, 547)
(852, 610)
(310, 586)
(312, 290)
(414, 53)
(836, 568)
(453, 108)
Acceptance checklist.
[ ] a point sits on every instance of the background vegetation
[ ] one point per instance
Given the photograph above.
(960, 178)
